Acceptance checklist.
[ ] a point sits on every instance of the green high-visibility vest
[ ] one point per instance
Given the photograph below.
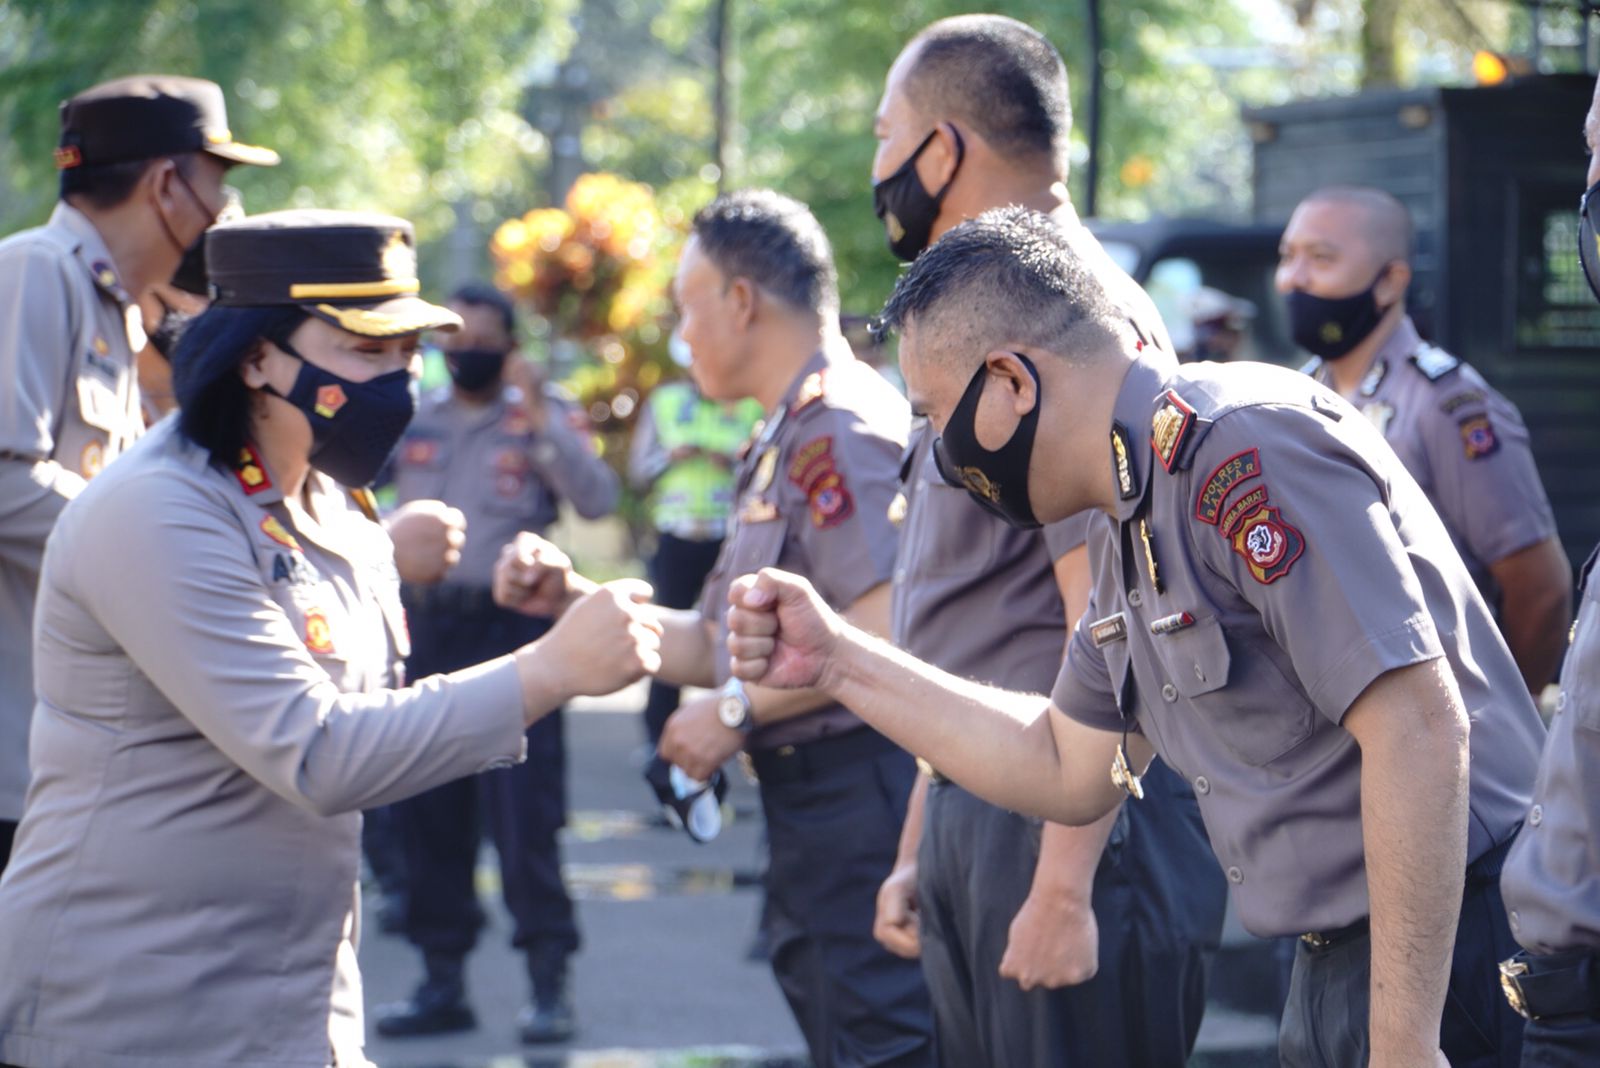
(697, 493)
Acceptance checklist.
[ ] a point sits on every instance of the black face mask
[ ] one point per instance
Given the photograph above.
(904, 205)
(169, 331)
(475, 369)
(1589, 242)
(998, 480)
(1331, 326)
(191, 273)
(354, 425)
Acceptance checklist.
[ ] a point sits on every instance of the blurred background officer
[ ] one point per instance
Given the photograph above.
(685, 446)
(503, 448)
(219, 647)
(758, 305)
(141, 163)
(1345, 262)
(1219, 325)
(1552, 877)
(1041, 945)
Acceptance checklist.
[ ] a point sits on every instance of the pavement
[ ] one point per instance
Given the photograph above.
(665, 978)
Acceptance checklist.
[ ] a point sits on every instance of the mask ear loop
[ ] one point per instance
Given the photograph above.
(961, 154)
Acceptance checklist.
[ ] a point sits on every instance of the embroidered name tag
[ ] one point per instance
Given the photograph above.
(1110, 629)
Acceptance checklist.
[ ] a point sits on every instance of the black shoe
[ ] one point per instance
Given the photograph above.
(439, 1007)
(547, 1020)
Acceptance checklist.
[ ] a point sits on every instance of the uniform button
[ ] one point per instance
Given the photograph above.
(1235, 876)
(1536, 817)
(1561, 700)
(1202, 785)
(1135, 598)
(1169, 692)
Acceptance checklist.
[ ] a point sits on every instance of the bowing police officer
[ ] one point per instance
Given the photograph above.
(141, 161)
(1277, 611)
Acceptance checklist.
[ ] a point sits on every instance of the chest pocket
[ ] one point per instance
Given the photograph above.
(98, 403)
(755, 545)
(1250, 705)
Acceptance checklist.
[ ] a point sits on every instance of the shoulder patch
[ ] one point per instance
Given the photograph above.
(1268, 544)
(1433, 363)
(811, 461)
(1242, 507)
(1232, 471)
(830, 501)
(1466, 399)
(1478, 437)
(1169, 427)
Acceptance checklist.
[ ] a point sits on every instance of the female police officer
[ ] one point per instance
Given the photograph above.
(217, 630)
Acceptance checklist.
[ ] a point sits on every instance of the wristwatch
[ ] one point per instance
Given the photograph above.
(733, 708)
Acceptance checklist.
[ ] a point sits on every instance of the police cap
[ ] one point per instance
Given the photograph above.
(147, 116)
(356, 270)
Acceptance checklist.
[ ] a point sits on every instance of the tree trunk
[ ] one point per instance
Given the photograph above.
(1379, 36)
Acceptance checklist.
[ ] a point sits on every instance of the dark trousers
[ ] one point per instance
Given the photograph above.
(1326, 1020)
(678, 570)
(8, 835)
(833, 828)
(1158, 902)
(523, 807)
(1562, 1042)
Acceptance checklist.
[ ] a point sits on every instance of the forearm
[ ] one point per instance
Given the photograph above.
(999, 745)
(1414, 820)
(911, 829)
(686, 648)
(1069, 858)
(1534, 621)
(769, 706)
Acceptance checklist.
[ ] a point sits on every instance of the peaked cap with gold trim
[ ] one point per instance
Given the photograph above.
(356, 270)
(147, 116)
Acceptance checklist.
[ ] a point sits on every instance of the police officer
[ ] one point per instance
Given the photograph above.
(141, 163)
(504, 449)
(1277, 611)
(758, 304)
(219, 649)
(1344, 266)
(1552, 878)
(684, 449)
(1011, 920)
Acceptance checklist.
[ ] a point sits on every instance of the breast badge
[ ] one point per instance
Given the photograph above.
(279, 533)
(897, 509)
(766, 468)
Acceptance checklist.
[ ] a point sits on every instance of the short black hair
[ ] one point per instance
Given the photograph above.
(1386, 223)
(998, 76)
(213, 400)
(106, 185)
(774, 241)
(1009, 277)
(484, 295)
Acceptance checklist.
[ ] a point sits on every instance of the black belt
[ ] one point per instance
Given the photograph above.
(450, 599)
(1544, 985)
(1326, 940)
(808, 760)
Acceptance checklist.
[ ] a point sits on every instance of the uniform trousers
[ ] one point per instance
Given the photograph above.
(1325, 1022)
(523, 807)
(1158, 900)
(1562, 1042)
(834, 808)
(678, 571)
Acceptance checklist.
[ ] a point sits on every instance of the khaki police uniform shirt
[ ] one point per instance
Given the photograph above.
(1463, 442)
(214, 713)
(813, 497)
(1551, 880)
(69, 403)
(1291, 560)
(488, 461)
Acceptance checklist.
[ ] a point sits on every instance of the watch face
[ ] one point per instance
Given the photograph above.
(731, 711)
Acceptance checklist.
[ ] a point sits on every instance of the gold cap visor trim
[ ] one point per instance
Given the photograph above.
(393, 287)
(407, 315)
(238, 152)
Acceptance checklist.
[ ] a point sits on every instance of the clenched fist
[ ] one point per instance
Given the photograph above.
(607, 639)
(427, 537)
(535, 578)
(780, 632)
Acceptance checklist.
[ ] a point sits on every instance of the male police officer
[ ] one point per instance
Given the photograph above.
(1552, 877)
(504, 449)
(758, 304)
(1277, 611)
(1344, 267)
(998, 908)
(141, 163)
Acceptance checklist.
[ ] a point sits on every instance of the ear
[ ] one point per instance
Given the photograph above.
(1021, 390)
(252, 369)
(741, 300)
(938, 162)
(1392, 286)
(159, 178)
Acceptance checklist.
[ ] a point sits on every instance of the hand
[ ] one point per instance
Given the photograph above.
(528, 377)
(1053, 942)
(607, 639)
(780, 633)
(695, 739)
(897, 926)
(684, 452)
(1428, 1055)
(535, 578)
(427, 537)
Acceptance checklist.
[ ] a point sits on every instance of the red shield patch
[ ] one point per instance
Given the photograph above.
(831, 503)
(1478, 437)
(1268, 544)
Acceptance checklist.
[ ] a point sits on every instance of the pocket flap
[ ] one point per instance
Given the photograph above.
(1196, 657)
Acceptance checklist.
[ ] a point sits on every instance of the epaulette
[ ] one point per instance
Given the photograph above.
(1176, 431)
(1433, 363)
(366, 502)
(811, 391)
(1311, 366)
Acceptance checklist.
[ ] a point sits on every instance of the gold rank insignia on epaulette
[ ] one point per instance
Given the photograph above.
(810, 390)
(1169, 427)
(366, 502)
